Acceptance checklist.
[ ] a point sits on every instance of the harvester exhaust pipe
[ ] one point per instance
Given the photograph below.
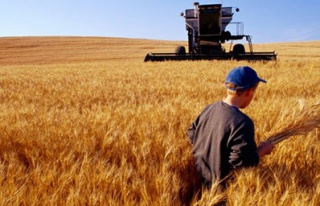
(196, 7)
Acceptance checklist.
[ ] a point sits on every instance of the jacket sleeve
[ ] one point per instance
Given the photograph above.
(243, 149)
(192, 130)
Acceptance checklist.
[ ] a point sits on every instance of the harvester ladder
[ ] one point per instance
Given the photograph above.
(248, 38)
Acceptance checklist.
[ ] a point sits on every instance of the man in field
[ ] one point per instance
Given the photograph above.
(222, 136)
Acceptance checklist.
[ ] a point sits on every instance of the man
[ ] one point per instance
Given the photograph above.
(222, 136)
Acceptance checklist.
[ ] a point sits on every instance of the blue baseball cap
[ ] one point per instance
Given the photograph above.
(242, 78)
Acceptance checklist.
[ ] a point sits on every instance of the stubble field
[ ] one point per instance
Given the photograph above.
(84, 121)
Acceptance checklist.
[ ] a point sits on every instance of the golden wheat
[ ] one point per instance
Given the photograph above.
(85, 122)
(303, 122)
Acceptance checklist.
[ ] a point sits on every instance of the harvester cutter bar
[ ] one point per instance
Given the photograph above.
(254, 56)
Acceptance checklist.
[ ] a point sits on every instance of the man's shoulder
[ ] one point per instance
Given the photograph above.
(211, 107)
(214, 104)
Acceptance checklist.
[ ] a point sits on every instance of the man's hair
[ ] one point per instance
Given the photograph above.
(237, 91)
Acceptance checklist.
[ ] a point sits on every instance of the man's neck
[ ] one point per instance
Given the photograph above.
(234, 101)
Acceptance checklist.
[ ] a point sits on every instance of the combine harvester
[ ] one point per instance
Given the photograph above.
(206, 27)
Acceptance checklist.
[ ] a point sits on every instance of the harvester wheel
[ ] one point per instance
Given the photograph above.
(180, 50)
(239, 49)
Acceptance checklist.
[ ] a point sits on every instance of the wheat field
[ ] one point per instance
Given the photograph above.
(84, 121)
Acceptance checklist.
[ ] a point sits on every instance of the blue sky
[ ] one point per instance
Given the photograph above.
(266, 21)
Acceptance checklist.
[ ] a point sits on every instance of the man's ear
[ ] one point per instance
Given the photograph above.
(247, 92)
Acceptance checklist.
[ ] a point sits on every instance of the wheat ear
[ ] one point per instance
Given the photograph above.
(304, 121)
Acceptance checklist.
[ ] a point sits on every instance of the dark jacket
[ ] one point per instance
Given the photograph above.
(223, 140)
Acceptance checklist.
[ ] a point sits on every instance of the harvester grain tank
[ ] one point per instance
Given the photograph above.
(206, 27)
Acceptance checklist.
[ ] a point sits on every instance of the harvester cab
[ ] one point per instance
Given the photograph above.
(206, 27)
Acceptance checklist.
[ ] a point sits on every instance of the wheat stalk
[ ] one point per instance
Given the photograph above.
(304, 121)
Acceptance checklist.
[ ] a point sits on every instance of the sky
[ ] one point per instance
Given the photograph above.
(267, 21)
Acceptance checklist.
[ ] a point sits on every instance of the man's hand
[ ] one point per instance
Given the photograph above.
(265, 148)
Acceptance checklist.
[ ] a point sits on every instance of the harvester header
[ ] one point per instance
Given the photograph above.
(206, 27)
